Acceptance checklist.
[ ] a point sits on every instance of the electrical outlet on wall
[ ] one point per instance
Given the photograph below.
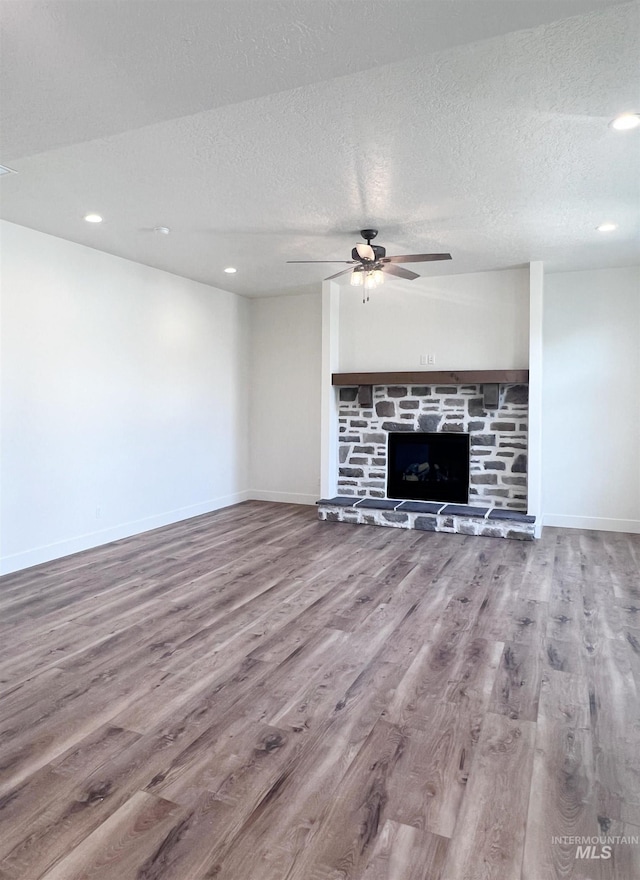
(427, 360)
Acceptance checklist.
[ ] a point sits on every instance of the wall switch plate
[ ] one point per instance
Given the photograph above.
(423, 360)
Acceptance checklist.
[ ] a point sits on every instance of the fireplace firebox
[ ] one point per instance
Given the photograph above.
(428, 467)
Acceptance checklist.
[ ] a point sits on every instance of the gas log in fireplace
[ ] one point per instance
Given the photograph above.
(428, 466)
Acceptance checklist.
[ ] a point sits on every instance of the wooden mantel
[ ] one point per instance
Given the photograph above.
(434, 377)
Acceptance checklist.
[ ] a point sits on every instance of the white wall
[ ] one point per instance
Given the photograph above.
(591, 399)
(474, 321)
(286, 350)
(124, 397)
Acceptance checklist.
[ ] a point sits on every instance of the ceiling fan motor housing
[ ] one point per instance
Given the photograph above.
(379, 252)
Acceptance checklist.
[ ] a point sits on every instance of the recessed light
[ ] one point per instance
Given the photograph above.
(162, 230)
(626, 121)
(93, 218)
(230, 270)
(607, 227)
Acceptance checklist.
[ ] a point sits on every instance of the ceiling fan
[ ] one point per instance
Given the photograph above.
(370, 263)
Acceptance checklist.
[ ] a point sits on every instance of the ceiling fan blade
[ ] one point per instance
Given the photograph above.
(337, 275)
(401, 273)
(416, 258)
(365, 252)
(346, 262)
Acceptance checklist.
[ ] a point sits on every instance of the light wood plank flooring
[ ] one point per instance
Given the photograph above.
(254, 695)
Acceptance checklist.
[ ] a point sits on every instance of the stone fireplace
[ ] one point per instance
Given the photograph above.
(497, 434)
(497, 438)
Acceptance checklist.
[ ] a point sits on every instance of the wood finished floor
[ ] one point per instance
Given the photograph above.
(254, 695)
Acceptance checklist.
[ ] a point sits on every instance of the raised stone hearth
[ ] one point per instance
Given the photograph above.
(498, 438)
(462, 519)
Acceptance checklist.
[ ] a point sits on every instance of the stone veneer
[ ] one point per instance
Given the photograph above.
(498, 438)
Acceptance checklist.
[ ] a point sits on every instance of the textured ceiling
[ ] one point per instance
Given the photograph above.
(266, 131)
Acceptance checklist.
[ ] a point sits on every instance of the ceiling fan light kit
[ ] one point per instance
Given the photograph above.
(370, 264)
(357, 278)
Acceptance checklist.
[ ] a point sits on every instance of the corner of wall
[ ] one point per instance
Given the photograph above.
(329, 417)
(536, 302)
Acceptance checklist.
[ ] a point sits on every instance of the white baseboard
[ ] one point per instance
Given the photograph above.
(597, 523)
(282, 497)
(46, 553)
